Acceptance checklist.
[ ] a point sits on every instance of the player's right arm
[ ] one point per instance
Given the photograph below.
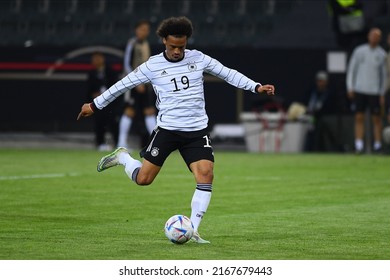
(351, 73)
(133, 79)
(86, 110)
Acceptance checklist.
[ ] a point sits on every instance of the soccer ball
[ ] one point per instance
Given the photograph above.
(179, 229)
(386, 135)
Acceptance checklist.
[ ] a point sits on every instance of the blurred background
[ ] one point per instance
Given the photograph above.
(46, 47)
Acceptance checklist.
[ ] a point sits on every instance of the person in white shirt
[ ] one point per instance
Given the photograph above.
(366, 86)
(177, 78)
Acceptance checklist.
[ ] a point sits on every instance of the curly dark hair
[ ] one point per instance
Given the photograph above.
(175, 26)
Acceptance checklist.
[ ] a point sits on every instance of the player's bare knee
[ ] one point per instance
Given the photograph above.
(143, 180)
(205, 176)
(130, 112)
(150, 111)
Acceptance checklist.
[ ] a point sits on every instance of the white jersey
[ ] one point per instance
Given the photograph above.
(367, 72)
(179, 88)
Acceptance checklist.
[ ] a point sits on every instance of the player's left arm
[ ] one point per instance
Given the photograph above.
(235, 78)
(383, 79)
(268, 89)
(383, 84)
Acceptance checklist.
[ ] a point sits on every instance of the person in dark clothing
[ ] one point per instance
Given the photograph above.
(320, 102)
(139, 103)
(99, 79)
(348, 22)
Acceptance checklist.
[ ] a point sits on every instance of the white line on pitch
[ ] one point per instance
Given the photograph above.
(37, 176)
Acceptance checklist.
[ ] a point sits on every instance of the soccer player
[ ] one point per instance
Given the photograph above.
(141, 99)
(177, 78)
(99, 79)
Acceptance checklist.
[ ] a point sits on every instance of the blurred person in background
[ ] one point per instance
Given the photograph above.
(388, 80)
(348, 22)
(386, 130)
(319, 103)
(99, 80)
(140, 100)
(366, 86)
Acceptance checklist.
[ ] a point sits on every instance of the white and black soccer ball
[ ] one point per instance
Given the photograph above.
(179, 229)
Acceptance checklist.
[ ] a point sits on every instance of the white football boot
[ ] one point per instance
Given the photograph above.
(110, 160)
(196, 238)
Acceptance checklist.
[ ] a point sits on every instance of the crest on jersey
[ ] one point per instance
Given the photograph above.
(191, 66)
(154, 152)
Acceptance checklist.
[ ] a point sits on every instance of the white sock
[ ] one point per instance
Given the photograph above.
(199, 204)
(150, 122)
(377, 145)
(131, 165)
(359, 144)
(124, 128)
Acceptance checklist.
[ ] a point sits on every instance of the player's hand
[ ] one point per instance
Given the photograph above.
(268, 89)
(86, 111)
(351, 95)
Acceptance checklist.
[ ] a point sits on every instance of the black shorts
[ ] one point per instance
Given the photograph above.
(193, 146)
(140, 101)
(364, 101)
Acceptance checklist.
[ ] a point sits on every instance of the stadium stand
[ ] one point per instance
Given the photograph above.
(83, 22)
(293, 36)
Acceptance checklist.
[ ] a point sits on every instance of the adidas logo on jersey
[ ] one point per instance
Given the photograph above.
(164, 73)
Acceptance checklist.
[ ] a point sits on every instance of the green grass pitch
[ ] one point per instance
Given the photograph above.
(54, 205)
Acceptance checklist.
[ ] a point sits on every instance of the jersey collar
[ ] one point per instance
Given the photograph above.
(173, 61)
